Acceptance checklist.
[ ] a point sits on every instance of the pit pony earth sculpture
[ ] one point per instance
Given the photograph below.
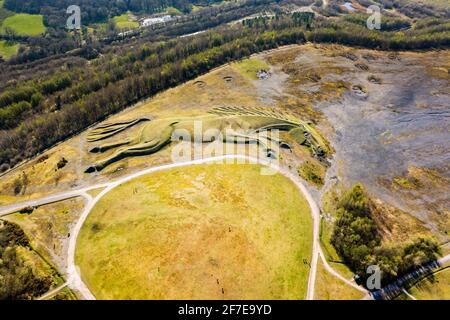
(232, 124)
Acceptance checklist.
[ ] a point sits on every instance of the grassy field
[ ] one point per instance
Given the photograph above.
(25, 24)
(436, 3)
(64, 294)
(201, 232)
(7, 50)
(328, 287)
(48, 227)
(329, 251)
(173, 11)
(313, 172)
(27, 274)
(4, 13)
(249, 67)
(436, 287)
(125, 21)
(95, 192)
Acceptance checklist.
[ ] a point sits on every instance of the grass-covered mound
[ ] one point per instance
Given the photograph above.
(199, 232)
(24, 24)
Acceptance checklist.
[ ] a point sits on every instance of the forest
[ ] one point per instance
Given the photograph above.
(358, 242)
(20, 277)
(54, 99)
(98, 10)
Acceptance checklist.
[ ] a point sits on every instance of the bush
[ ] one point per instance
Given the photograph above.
(312, 172)
(20, 278)
(358, 242)
(61, 163)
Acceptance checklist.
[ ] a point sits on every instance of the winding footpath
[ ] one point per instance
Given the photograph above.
(74, 280)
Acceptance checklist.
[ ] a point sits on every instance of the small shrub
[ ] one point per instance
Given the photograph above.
(27, 210)
(312, 172)
(62, 163)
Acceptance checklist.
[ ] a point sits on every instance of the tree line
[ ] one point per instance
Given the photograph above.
(53, 108)
(358, 241)
(20, 279)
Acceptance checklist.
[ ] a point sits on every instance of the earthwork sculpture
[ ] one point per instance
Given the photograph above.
(234, 125)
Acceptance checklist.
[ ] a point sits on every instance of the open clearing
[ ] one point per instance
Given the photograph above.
(249, 67)
(126, 21)
(201, 232)
(48, 227)
(435, 287)
(328, 287)
(25, 24)
(8, 50)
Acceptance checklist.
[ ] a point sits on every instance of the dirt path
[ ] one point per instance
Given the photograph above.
(73, 275)
(52, 292)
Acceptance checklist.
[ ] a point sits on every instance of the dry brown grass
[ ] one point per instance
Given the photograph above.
(48, 227)
(328, 287)
(188, 233)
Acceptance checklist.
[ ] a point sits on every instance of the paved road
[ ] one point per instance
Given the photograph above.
(39, 202)
(8, 209)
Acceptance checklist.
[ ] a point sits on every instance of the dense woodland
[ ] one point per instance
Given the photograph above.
(358, 242)
(58, 88)
(57, 40)
(67, 95)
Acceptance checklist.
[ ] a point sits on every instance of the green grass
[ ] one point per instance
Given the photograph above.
(196, 8)
(25, 24)
(173, 11)
(435, 287)
(125, 21)
(408, 182)
(63, 294)
(313, 172)
(440, 4)
(186, 233)
(249, 67)
(48, 225)
(4, 13)
(8, 50)
(329, 200)
(328, 287)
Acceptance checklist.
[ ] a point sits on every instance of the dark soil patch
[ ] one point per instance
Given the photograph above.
(359, 91)
(200, 84)
(374, 79)
(362, 66)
